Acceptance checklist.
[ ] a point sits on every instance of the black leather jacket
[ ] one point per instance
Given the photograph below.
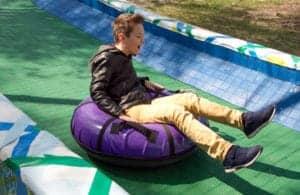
(114, 84)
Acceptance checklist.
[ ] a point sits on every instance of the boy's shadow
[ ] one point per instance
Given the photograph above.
(223, 135)
(194, 169)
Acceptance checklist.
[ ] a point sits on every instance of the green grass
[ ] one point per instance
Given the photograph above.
(273, 23)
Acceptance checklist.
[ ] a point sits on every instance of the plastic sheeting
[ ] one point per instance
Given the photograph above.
(42, 162)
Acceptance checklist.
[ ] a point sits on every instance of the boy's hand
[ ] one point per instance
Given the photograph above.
(186, 91)
(153, 86)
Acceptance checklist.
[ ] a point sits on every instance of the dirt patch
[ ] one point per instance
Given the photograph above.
(285, 15)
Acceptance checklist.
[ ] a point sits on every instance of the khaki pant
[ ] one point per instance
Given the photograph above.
(182, 111)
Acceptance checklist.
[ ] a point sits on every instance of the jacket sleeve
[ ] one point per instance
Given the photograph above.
(152, 86)
(143, 79)
(101, 75)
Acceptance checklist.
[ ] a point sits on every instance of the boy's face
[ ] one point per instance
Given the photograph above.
(134, 42)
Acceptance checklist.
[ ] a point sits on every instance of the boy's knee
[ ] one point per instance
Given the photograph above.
(173, 110)
(177, 113)
(189, 96)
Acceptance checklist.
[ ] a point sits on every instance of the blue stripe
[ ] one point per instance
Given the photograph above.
(21, 187)
(180, 27)
(5, 126)
(130, 9)
(22, 148)
(212, 38)
(253, 53)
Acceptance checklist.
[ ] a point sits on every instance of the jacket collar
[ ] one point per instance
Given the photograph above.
(112, 48)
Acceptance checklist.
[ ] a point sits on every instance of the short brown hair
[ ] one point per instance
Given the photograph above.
(124, 24)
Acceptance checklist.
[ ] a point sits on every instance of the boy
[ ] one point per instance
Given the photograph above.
(116, 89)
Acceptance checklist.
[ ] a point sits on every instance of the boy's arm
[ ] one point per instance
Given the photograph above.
(151, 85)
(154, 86)
(159, 88)
(101, 75)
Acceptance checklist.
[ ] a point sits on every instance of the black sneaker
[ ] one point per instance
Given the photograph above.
(255, 121)
(239, 157)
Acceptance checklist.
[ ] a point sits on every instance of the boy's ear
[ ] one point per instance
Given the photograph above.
(121, 36)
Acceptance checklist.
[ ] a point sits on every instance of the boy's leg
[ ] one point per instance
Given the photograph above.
(250, 122)
(203, 107)
(204, 137)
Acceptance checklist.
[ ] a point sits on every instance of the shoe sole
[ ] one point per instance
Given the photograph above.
(244, 165)
(262, 125)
